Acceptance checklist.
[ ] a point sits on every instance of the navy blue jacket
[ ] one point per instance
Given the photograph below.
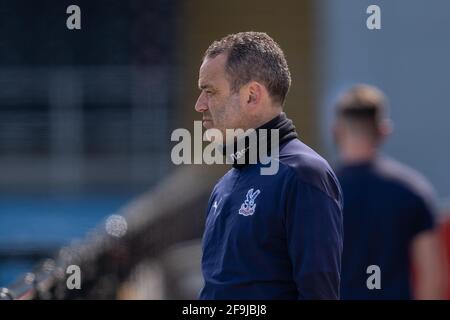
(275, 236)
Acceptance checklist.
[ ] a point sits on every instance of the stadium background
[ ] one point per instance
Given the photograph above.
(86, 117)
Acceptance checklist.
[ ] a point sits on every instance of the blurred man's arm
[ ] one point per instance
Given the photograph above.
(427, 258)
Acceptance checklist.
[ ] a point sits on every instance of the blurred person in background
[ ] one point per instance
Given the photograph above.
(273, 236)
(389, 209)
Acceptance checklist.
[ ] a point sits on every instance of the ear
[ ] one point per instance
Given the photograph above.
(386, 128)
(254, 93)
(337, 131)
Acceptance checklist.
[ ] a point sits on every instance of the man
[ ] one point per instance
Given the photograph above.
(267, 236)
(388, 209)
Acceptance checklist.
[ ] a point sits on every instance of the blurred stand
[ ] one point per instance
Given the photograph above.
(79, 129)
(148, 250)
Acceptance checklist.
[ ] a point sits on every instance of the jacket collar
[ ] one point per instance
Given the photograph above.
(241, 153)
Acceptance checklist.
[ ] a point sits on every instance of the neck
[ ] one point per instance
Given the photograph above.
(250, 152)
(258, 121)
(357, 152)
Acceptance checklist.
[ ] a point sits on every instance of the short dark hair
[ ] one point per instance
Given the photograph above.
(363, 107)
(254, 56)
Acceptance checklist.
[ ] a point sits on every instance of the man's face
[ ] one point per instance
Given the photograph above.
(220, 107)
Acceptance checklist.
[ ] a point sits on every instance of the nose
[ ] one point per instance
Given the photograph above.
(201, 105)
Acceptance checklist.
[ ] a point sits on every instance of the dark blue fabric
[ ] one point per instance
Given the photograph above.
(386, 205)
(290, 247)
